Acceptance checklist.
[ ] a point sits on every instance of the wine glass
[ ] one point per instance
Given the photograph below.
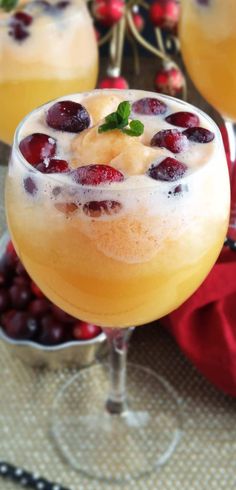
(117, 245)
(48, 48)
(208, 45)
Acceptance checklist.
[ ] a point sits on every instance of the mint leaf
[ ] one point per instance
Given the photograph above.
(107, 127)
(8, 4)
(111, 118)
(120, 120)
(136, 128)
(123, 110)
(122, 124)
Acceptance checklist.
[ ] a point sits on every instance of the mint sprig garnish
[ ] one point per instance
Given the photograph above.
(120, 120)
(8, 5)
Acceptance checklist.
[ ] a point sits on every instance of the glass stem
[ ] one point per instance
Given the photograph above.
(118, 341)
(230, 129)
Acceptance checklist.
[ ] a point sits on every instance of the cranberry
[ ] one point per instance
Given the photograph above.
(204, 2)
(43, 4)
(96, 174)
(52, 331)
(149, 106)
(199, 135)
(56, 191)
(23, 280)
(171, 139)
(5, 300)
(62, 4)
(36, 290)
(95, 209)
(85, 331)
(183, 119)
(20, 325)
(36, 147)
(10, 249)
(5, 318)
(67, 208)
(39, 307)
(20, 269)
(22, 18)
(20, 296)
(18, 32)
(55, 165)
(168, 170)
(179, 189)
(7, 269)
(61, 315)
(68, 116)
(113, 82)
(30, 186)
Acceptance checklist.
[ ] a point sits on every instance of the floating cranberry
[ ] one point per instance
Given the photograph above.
(171, 139)
(36, 290)
(199, 135)
(19, 23)
(205, 3)
(183, 119)
(20, 296)
(149, 106)
(63, 4)
(85, 331)
(52, 331)
(68, 116)
(43, 4)
(56, 191)
(179, 189)
(95, 209)
(96, 174)
(36, 147)
(30, 186)
(67, 208)
(5, 300)
(61, 315)
(22, 18)
(18, 32)
(20, 325)
(55, 165)
(39, 307)
(169, 170)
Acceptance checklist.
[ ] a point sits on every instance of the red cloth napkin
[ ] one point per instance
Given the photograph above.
(205, 325)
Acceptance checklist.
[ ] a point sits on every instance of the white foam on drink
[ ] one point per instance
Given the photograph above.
(152, 212)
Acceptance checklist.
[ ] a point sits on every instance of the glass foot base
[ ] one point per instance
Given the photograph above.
(116, 448)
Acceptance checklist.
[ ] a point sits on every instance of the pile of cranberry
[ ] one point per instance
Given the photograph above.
(26, 314)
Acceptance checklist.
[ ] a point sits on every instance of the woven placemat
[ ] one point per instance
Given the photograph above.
(204, 460)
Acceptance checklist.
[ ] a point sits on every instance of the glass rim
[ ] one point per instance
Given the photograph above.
(55, 177)
(4, 22)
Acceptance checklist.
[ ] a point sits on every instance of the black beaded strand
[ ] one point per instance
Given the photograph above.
(26, 479)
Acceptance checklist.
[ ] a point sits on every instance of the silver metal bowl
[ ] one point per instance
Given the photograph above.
(73, 353)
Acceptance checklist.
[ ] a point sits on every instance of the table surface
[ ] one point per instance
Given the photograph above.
(205, 458)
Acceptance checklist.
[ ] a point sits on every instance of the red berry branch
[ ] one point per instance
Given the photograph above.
(125, 21)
